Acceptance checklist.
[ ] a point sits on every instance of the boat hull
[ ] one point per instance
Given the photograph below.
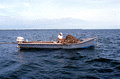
(87, 43)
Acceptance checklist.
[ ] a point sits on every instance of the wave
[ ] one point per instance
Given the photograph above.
(101, 60)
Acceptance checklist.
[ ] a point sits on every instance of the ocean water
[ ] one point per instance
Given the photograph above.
(102, 62)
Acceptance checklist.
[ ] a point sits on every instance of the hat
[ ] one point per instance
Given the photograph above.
(60, 33)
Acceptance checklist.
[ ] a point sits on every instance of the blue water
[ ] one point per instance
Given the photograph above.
(101, 62)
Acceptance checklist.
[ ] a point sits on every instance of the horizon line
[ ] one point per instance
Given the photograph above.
(58, 29)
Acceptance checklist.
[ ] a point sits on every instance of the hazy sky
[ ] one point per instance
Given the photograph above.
(101, 14)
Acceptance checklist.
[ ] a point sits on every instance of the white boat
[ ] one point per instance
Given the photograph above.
(85, 43)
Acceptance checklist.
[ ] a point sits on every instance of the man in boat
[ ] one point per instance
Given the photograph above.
(60, 38)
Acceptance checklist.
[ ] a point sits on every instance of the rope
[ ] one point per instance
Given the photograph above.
(9, 43)
(97, 41)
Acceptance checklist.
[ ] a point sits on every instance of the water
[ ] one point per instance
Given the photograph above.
(101, 62)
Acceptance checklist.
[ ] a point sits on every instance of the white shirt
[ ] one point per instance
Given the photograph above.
(60, 37)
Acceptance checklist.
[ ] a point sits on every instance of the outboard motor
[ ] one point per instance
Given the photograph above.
(20, 39)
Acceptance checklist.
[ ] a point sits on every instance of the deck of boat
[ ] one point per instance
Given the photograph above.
(55, 42)
(41, 42)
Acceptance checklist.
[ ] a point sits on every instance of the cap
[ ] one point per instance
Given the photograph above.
(60, 33)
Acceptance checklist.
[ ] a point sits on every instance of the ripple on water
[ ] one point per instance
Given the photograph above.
(102, 60)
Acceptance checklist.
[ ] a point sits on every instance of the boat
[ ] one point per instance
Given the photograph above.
(84, 43)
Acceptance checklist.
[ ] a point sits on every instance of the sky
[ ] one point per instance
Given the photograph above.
(59, 14)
